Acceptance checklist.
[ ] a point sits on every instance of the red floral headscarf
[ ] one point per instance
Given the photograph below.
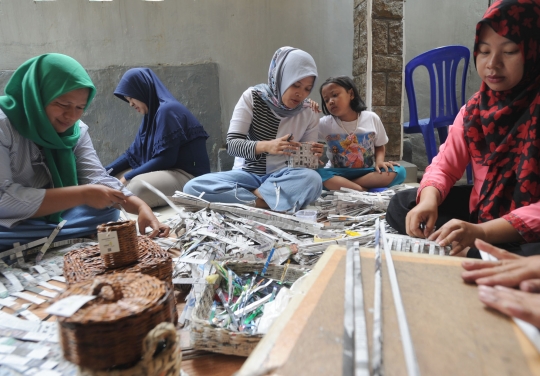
(501, 126)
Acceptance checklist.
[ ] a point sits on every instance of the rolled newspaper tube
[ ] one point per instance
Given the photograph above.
(227, 308)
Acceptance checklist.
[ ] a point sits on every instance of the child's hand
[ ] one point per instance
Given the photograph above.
(314, 106)
(317, 149)
(388, 166)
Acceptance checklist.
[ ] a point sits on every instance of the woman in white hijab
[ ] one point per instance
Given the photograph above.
(268, 122)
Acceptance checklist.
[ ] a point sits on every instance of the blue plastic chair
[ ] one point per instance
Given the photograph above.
(441, 64)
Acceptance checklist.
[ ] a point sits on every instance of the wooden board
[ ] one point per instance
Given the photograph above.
(453, 333)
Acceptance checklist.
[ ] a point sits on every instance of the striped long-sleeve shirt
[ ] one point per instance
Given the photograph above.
(24, 175)
(253, 121)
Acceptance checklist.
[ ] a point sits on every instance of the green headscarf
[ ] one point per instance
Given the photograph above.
(34, 85)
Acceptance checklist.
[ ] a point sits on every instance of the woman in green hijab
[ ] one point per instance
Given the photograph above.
(49, 169)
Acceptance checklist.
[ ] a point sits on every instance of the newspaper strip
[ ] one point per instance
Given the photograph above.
(49, 241)
(348, 321)
(361, 353)
(406, 340)
(376, 356)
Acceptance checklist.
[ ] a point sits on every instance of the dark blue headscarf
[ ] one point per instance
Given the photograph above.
(167, 124)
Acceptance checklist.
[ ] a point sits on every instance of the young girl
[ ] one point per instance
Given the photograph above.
(170, 147)
(498, 131)
(355, 141)
(49, 169)
(267, 123)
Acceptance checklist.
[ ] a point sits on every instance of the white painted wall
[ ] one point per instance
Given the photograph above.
(434, 23)
(239, 35)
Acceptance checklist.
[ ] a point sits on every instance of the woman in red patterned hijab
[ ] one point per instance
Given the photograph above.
(501, 120)
(497, 131)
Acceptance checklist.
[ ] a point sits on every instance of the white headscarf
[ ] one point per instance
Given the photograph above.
(288, 65)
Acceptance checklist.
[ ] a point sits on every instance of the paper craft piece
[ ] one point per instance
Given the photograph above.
(30, 298)
(7, 349)
(303, 157)
(11, 322)
(50, 286)
(3, 291)
(8, 302)
(15, 283)
(56, 270)
(29, 315)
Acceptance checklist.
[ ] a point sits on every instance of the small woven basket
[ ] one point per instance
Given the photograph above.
(127, 241)
(109, 331)
(206, 337)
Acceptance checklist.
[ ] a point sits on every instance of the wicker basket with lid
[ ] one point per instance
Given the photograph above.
(109, 331)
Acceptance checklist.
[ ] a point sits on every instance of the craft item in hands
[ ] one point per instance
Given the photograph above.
(109, 330)
(126, 233)
(303, 157)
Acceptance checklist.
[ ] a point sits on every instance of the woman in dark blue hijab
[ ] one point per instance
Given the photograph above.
(170, 146)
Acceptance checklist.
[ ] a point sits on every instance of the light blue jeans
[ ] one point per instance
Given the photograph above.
(81, 221)
(288, 189)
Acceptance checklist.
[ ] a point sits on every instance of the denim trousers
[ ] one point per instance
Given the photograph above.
(285, 190)
(81, 221)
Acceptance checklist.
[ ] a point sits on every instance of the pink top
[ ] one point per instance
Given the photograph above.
(448, 166)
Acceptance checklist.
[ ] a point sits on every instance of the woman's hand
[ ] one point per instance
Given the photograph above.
(146, 217)
(514, 303)
(96, 196)
(280, 146)
(314, 106)
(459, 234)
(99, 196)
(388, 166)
(510, 270)
(123, 180)
(420, 221)
(317, 149)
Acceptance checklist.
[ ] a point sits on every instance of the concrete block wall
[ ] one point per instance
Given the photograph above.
(386, 59)
(387, 68)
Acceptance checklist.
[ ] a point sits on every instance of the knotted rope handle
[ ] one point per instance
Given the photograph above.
(116, 288)
(164, 331)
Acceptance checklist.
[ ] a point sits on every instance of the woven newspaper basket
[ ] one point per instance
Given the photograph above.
(109, 331)
(161, 356)
(127, 241)
(86, 263)
(220, 340)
